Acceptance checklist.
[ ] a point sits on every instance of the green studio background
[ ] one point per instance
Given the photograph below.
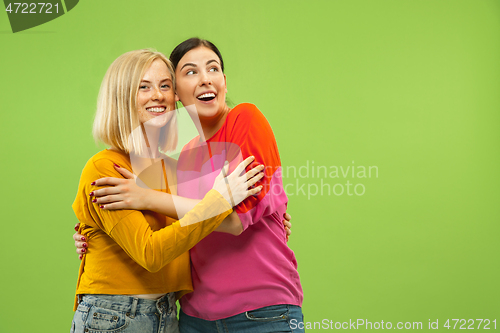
(409, 88)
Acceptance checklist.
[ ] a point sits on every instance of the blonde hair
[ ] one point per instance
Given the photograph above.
(117, 117)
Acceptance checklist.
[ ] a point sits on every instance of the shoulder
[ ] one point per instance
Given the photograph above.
(245, 110)
(246, 115)
(101, 164)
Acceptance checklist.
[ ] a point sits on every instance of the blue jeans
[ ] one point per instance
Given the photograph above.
(275, 318)
(125, 314)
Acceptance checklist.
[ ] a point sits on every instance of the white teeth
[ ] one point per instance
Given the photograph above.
(207, 95)
(156, 109)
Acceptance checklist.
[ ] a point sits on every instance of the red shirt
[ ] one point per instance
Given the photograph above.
(234, 274)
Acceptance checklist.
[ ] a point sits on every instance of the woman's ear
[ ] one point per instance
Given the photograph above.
(225, 84)
(177, 98)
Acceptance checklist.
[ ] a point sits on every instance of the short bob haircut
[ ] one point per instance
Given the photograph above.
(117, 118)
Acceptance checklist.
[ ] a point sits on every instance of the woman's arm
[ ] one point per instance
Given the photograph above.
(132, 232)
(126, 194)
(231, 225)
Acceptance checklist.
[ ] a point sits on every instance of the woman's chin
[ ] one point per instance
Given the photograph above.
(208, 110)
(159, 121)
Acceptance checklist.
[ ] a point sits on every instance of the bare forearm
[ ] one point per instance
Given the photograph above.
(231, 225)
(167, 204)
(176, 207)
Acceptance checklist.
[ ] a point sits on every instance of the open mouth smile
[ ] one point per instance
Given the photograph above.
(156, 109)
(206, 97)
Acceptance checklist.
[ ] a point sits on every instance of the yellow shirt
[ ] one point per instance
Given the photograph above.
(139, 252)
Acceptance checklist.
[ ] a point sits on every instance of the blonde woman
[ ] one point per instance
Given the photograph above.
(139, 264)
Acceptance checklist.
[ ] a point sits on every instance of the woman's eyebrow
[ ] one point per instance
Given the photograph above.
(213, 60)
(188, 64)
(165, 79)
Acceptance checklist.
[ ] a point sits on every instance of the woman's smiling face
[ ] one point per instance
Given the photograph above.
(156, 96)
(200, 81)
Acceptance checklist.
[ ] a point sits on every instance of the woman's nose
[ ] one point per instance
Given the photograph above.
(158, 95)
(205, 79)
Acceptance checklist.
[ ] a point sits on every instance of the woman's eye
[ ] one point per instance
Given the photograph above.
(213, 69)
(190, 72)
(143, 87)
(165, 86)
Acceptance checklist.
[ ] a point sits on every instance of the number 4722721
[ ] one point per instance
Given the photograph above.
(469, 324)
(32, 8)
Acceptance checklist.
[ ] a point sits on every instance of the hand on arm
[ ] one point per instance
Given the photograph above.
(237, 186)
(234, 188)
(126, 194)
(80, 242)
(139, 233)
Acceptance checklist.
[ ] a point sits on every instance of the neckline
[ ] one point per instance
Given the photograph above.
(223, 123)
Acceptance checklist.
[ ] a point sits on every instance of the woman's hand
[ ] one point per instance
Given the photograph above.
(80, 242)
(287, 224)
(236, 187)
(122, 193)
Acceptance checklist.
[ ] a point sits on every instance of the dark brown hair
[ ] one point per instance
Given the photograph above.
(192, 43)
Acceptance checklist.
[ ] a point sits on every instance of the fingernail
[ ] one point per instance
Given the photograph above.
(101, 206)
(94, 200)
(80, 256)
(83, 239)
(116, 165)
(91, 193)
(84, 245)
(76, 228)
(93, 183)
(84, 250)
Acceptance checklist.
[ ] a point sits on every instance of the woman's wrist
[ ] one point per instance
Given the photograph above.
(153, 200)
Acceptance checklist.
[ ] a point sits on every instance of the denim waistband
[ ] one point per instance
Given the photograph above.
(131, 305)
